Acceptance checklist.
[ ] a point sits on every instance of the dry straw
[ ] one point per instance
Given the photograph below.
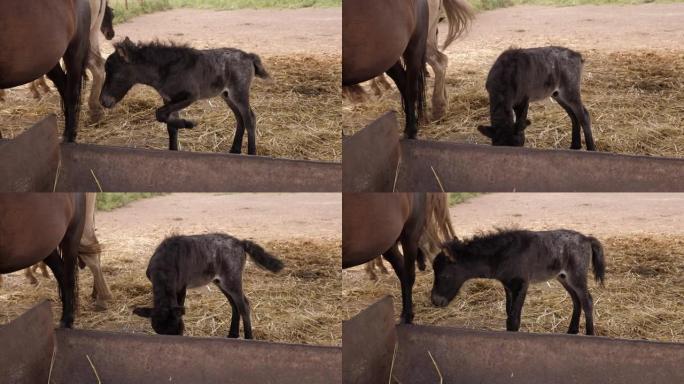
(298, 305)
(298, 114)
(636, 102)
(643, 297)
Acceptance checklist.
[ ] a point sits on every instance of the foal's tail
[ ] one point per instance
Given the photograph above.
(261, 257)
(259, 69)
(597, 260)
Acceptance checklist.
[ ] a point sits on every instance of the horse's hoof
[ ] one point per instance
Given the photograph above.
(100, 307)
(95, 115)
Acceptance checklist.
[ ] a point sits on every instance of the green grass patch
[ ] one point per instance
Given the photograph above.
(109, 200)
(484, 5)
(460, 197)
(138, 7)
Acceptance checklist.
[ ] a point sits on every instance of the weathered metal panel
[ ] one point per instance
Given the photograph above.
(129, 358)
(29, 162)
(26, 346)
(129, 169)
(371, 156)
(484, 168)
(368, 341)
(467, 356)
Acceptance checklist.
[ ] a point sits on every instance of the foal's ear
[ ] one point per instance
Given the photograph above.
(143, 311)
(123, 47)
(486, 130)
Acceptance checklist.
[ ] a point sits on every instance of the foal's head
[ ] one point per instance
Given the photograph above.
(449, 277)
(165, 320)
(121, 73)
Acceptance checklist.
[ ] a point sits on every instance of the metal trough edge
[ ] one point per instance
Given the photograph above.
(431, 166)
(91, 168)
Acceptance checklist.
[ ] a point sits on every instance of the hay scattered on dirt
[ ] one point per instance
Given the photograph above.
(298, 114)
(298, 305)
(643, 297)
(635, 99)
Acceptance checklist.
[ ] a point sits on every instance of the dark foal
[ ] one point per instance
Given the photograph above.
(183, 75)
(517, 258)
(182, 262)
(520, 76)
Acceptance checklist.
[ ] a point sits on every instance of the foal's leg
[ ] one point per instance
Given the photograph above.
(518, 292)
(240, 125)
(239, 97)
(509, 300)
(579, 283)
(576, 309)
(168, 113)
(573, 99)
(576, 138)
(520, 110)
(235, 316)
(234, 289)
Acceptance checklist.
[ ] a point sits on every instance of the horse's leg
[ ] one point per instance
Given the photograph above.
(509, 300)
(96, 67)
(234, 331)
(438, 61)
(398, 74)
(396, 260)
(101, 292)
(576, 309)
(240, 126)
(33, 87)
(43, 269)
(518, 292)
(415, 58)
(75, 60)
(58, 77)
(370, 270)
(381, 265)
(54, 262)
(29, 275)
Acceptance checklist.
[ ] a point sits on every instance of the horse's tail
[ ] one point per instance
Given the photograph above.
(259, 69)
(460, 15)
(597, 260)
(261, 257)
(438, 227)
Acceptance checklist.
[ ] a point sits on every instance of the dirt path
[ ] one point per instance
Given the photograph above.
(267, 31)
(603, 27)
(601, 214)
(265, 217)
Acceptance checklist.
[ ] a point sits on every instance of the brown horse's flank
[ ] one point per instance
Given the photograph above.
(59, 219)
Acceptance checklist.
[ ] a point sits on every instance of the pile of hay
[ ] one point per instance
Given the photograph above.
(635, 99)
(298, 305)
(643, 297)
(298, 114)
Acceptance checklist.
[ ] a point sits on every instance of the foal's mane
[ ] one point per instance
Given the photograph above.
(158, 52)
(485, 243)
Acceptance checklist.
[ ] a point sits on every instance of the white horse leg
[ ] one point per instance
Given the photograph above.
(438, 61)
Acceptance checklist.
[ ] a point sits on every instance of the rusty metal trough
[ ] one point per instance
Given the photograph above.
(28, 342)
(35, 161)
(468, 356)
(376, 160)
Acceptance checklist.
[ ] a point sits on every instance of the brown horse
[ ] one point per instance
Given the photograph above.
(37, 227)
(376, 36)
(35, 36)
(375, 223)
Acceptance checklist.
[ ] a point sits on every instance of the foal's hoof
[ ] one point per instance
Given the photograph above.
(232, 336)
(235, 150)
(575, 147)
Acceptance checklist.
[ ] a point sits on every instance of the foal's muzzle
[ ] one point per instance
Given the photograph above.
(439, 301)
(107, 101)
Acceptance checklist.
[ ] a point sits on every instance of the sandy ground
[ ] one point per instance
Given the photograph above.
(604, 27)
(301, 31)
(297, 305)
(262, 216)
(600, 214)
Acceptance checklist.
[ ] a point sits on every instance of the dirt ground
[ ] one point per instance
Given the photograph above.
(297, 113)
(298, 305)
(633, 85)
(644, 249)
